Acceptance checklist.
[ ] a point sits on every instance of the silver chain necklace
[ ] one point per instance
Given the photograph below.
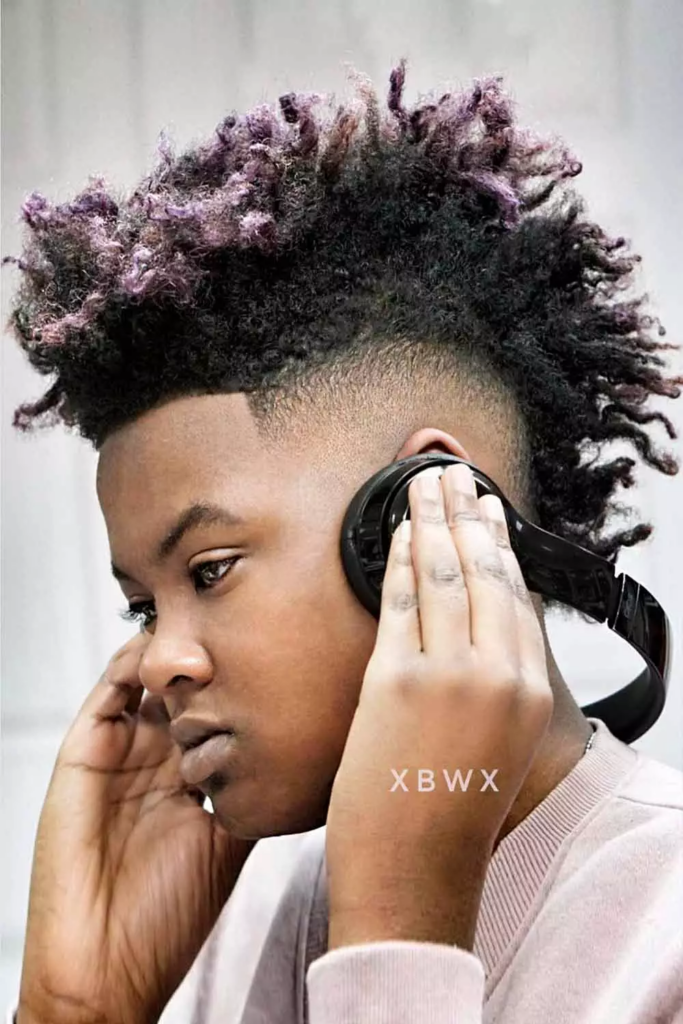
(590, 740)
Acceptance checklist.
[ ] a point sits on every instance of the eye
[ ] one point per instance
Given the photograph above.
(143, 612)
(209, 573)
(205, 576)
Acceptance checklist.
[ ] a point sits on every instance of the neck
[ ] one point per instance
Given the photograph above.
(561, 749)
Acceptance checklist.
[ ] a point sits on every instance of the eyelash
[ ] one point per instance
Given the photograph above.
(141, 612)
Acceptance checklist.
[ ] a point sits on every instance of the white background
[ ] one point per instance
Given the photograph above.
(87, 86)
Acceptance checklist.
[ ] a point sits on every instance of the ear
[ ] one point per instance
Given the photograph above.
(429, 439)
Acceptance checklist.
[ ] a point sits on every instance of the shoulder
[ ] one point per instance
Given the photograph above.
(653, 784)
(635, 831)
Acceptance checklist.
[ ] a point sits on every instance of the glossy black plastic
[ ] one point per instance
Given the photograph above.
(551, 566)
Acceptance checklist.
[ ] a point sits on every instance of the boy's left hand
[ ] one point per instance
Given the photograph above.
(457, 680)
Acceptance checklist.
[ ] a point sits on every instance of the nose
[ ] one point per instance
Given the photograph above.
(171, 659)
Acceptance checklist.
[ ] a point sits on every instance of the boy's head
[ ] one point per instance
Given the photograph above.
(272, 317)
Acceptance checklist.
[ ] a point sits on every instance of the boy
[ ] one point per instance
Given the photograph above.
(263, 324)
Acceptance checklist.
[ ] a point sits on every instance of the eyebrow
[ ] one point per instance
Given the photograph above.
(197, 514)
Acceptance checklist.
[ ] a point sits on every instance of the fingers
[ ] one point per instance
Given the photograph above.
(492, 613)
(465, 594)
(456, 585)
(119, 688)
(443, 599)
(398, 633)
(119, 722)
(532, 654)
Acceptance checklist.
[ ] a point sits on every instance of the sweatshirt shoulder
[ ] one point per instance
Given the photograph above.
(641, 817)
(654, 784)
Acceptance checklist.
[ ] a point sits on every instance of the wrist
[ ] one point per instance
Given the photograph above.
(448, 920)
(414, 909)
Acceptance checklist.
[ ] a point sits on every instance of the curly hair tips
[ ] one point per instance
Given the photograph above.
(296, 239)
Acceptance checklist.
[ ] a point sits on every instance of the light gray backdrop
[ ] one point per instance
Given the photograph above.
(86, 87)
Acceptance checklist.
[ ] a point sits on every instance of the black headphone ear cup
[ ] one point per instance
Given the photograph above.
(371, 518)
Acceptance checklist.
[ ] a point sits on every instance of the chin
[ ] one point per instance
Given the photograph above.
(252, 821)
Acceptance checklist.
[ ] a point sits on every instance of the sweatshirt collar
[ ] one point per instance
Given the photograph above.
(521, 860)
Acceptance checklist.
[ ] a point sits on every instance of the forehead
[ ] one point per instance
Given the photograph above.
(193, 448)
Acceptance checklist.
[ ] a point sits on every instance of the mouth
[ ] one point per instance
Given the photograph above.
(206, 757)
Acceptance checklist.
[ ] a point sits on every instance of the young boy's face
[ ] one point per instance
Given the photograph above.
(274, 647)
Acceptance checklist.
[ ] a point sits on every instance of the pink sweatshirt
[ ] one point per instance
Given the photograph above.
(581, 921)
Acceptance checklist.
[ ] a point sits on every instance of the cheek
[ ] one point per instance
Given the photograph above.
(328, 632)
(303, 664)
(297, 678)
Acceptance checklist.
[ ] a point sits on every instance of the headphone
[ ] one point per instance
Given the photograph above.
(551, 566)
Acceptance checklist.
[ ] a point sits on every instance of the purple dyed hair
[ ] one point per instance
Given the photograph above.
(292, 234)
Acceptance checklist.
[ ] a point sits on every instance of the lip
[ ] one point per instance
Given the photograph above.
(190, 732)
(201, 761)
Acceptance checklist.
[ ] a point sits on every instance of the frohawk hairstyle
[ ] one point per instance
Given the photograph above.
(303, 239)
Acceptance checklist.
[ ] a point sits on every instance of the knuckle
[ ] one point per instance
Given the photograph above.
(491, 569)
(508, 679)
(463, 684)
(500, 534)
(535, 696)
(542, 694)
(445, 575)
(467, 502)
(431, 513)
(405, 681)
(460, 516)
(403, 677)
(453, 673)
(402, 601)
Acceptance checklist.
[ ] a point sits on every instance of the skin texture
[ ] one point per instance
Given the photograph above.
(129, 871)
(458, 666)
(277, 650)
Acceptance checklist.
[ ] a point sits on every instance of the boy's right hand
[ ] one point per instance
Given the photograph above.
(129, 872)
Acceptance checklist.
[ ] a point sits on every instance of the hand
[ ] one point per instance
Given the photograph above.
(457, 679)
(129, 872)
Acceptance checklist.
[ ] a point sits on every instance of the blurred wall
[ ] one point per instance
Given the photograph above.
(87, 84)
